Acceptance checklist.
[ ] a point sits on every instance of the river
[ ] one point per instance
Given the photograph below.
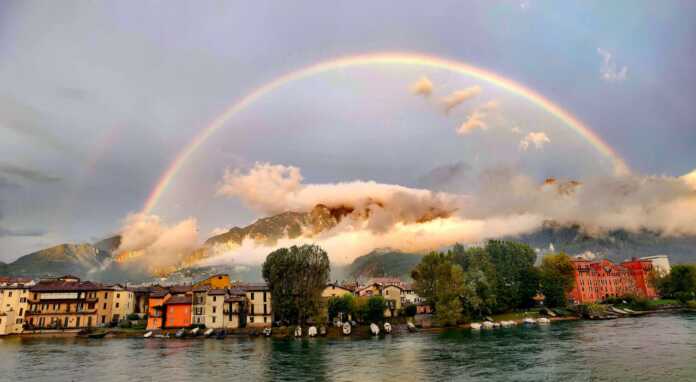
(656, 348)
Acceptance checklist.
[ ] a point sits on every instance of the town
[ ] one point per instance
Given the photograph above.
(219, 306)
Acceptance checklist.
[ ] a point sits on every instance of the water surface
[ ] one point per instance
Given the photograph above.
(656, 348)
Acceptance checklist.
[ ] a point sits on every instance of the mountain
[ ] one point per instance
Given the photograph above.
(615, 245)
(384, 263)
(75, 259)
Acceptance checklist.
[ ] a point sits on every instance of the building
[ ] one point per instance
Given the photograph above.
(198, 311)
(177, 311)
(141, 295)
(335, 290)
(660, 264)
(410, 297)
(214, 308)
(14, 302)
(115, 304)
(392, 295)
(259, 304)
(155, 313)
(596, 281)
(62, 303)
(219, 281)
(641, 270)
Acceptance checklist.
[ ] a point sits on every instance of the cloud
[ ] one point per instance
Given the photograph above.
(6, 232)
(218, 231)
(26, 173)
(273, 189)
(456, 98)
(147, 239)
(476, 120)
(26, 121)
(516, 130)
(608, 69)
(450, 177)
(538, 139)
(422, 87)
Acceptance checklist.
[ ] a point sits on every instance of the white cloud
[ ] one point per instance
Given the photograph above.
(476, 120)
(422, 87)
(538, 139)
(608, 69)
(456, 98)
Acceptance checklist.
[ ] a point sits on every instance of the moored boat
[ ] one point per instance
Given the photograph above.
(529, 321)
(148, 334)
(488, 325)
(411, 328)
(180, 333)
(98, 335)
(312, 331)
(208, 332)
(322, 330)
(194, 332)
(475, 326)
(298, 331)
(544, 321)
(374, 329)
(346, 328)
(266, 332)
(221, 334)
(387, 328)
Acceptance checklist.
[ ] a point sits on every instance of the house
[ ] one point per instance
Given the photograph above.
(660, 264)
(219, 281)
(62, 303)
(198, 315)
(177, 311)
(214, 308)
(141, 295)
(368, 290)
(640, 270)
(410, 297)
(392, 295)
(335, 290)
(14, 302)
(235, 309)
(259, 304)
(115, 304)
(598, 280)
(155, 313)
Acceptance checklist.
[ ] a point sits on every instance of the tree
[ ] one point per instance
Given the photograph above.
(680, 283)
(410, 310)
(425, 276)
(509, 259)
(450, 290)
(341, 305)
(375, 308)
(296, 276)
(556, 279)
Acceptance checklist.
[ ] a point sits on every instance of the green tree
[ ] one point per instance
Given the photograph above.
(425, 276)
(296, 277)
(375, 308)
(509, 259)
(556, 278)
(680, 283)
(345, 305)
(450, 290)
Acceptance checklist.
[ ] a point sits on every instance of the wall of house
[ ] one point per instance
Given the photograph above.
(214, 307)
(154, 315)
(259, 312)
(14, 301)
(178, 316)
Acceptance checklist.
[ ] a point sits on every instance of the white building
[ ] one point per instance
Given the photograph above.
(660, 263)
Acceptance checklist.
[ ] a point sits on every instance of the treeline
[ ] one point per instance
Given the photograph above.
(469, 283)
(679, 284)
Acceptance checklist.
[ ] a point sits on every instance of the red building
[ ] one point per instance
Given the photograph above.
(598, 280)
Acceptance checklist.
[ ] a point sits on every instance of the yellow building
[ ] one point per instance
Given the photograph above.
(214, 308)
(14, 302)
(392, 295)
(114, 304)
(219, 281)
(335, 290)
(62, 303)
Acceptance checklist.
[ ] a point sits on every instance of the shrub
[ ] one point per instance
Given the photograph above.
(410, 310)
(691, 304)
(133, 317)
(125, 324)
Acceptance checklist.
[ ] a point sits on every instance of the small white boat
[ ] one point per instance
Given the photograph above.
(194, 331)
(162, 335)
(148, 335)
(374, 329)
(475, 326)
(180, 333)
(312, 331)
(529, 321)
(497, 324)
(322, 330)
(506, 324)
(346, 328)
(298, 331)
(487, 325)
(544, 321)
(411, 328)
(208, 332)
(387, 328)
(267, 332)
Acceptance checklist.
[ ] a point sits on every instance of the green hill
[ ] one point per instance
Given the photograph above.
(384, 263)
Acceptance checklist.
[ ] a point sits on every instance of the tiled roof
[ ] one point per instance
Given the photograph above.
(217, 292)
(159, 293)
(179, 299)
(63, 286)
(234, 299)
(250, 287)
(176, 289)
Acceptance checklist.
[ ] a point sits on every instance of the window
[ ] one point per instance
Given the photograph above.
(264, 296)
(106, 295)
(252, 295)
(213, 312)
(103, 319)
(21, 310)
(252, 308)
(9, 294)
(264, 320)
(264, 310)
(214, 299)
(117, 304)
(213, 319)
(104, 307)
(251, 319)
(118, 295)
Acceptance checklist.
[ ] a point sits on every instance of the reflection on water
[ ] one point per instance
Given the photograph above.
(661, 347)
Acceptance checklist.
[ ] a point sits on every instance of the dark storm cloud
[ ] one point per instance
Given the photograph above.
(449, 177)
(26, 173)
(28, 122)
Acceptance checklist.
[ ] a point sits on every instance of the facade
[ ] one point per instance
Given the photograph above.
(660, 264)
(155, 313)
(219, 281)
(596, 281)
(410, 297)
(234, 313)
(335, 290)
(177, 312)
(141, 295)
(392, 296)
(115, 304)
(14, 302)
(214, 308)
(259, 305)
(62, 303)
(198, 313)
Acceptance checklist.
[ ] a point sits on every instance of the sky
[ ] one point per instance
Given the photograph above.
(99, 98)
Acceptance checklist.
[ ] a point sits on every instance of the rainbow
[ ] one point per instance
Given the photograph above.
(390, 58)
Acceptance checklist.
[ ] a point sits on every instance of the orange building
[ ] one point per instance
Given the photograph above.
(155, 312)
(177, 311)
(598, 280)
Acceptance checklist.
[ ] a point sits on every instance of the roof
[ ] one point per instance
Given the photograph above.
(217, 292)
(159, 293)
(180, 299)
(336, 285)
(251, 287)
(177, 289)
(66, 286)
(234, 299)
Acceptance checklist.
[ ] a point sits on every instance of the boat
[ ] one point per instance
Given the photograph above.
(487, 324)
(507, 324)
(220, 335)
(147, 335)
(411, 328)
(346, 328)
(208, 332)
(322, 330)
(387, 328)
(267, 332)
(497, 324)
(180, 333)
(97, 335)
(374, 329)
(529, 321)
(544, 321)
(475, 326)
(312, 331)
(194, 331)
(298, 331)
(162, 335)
